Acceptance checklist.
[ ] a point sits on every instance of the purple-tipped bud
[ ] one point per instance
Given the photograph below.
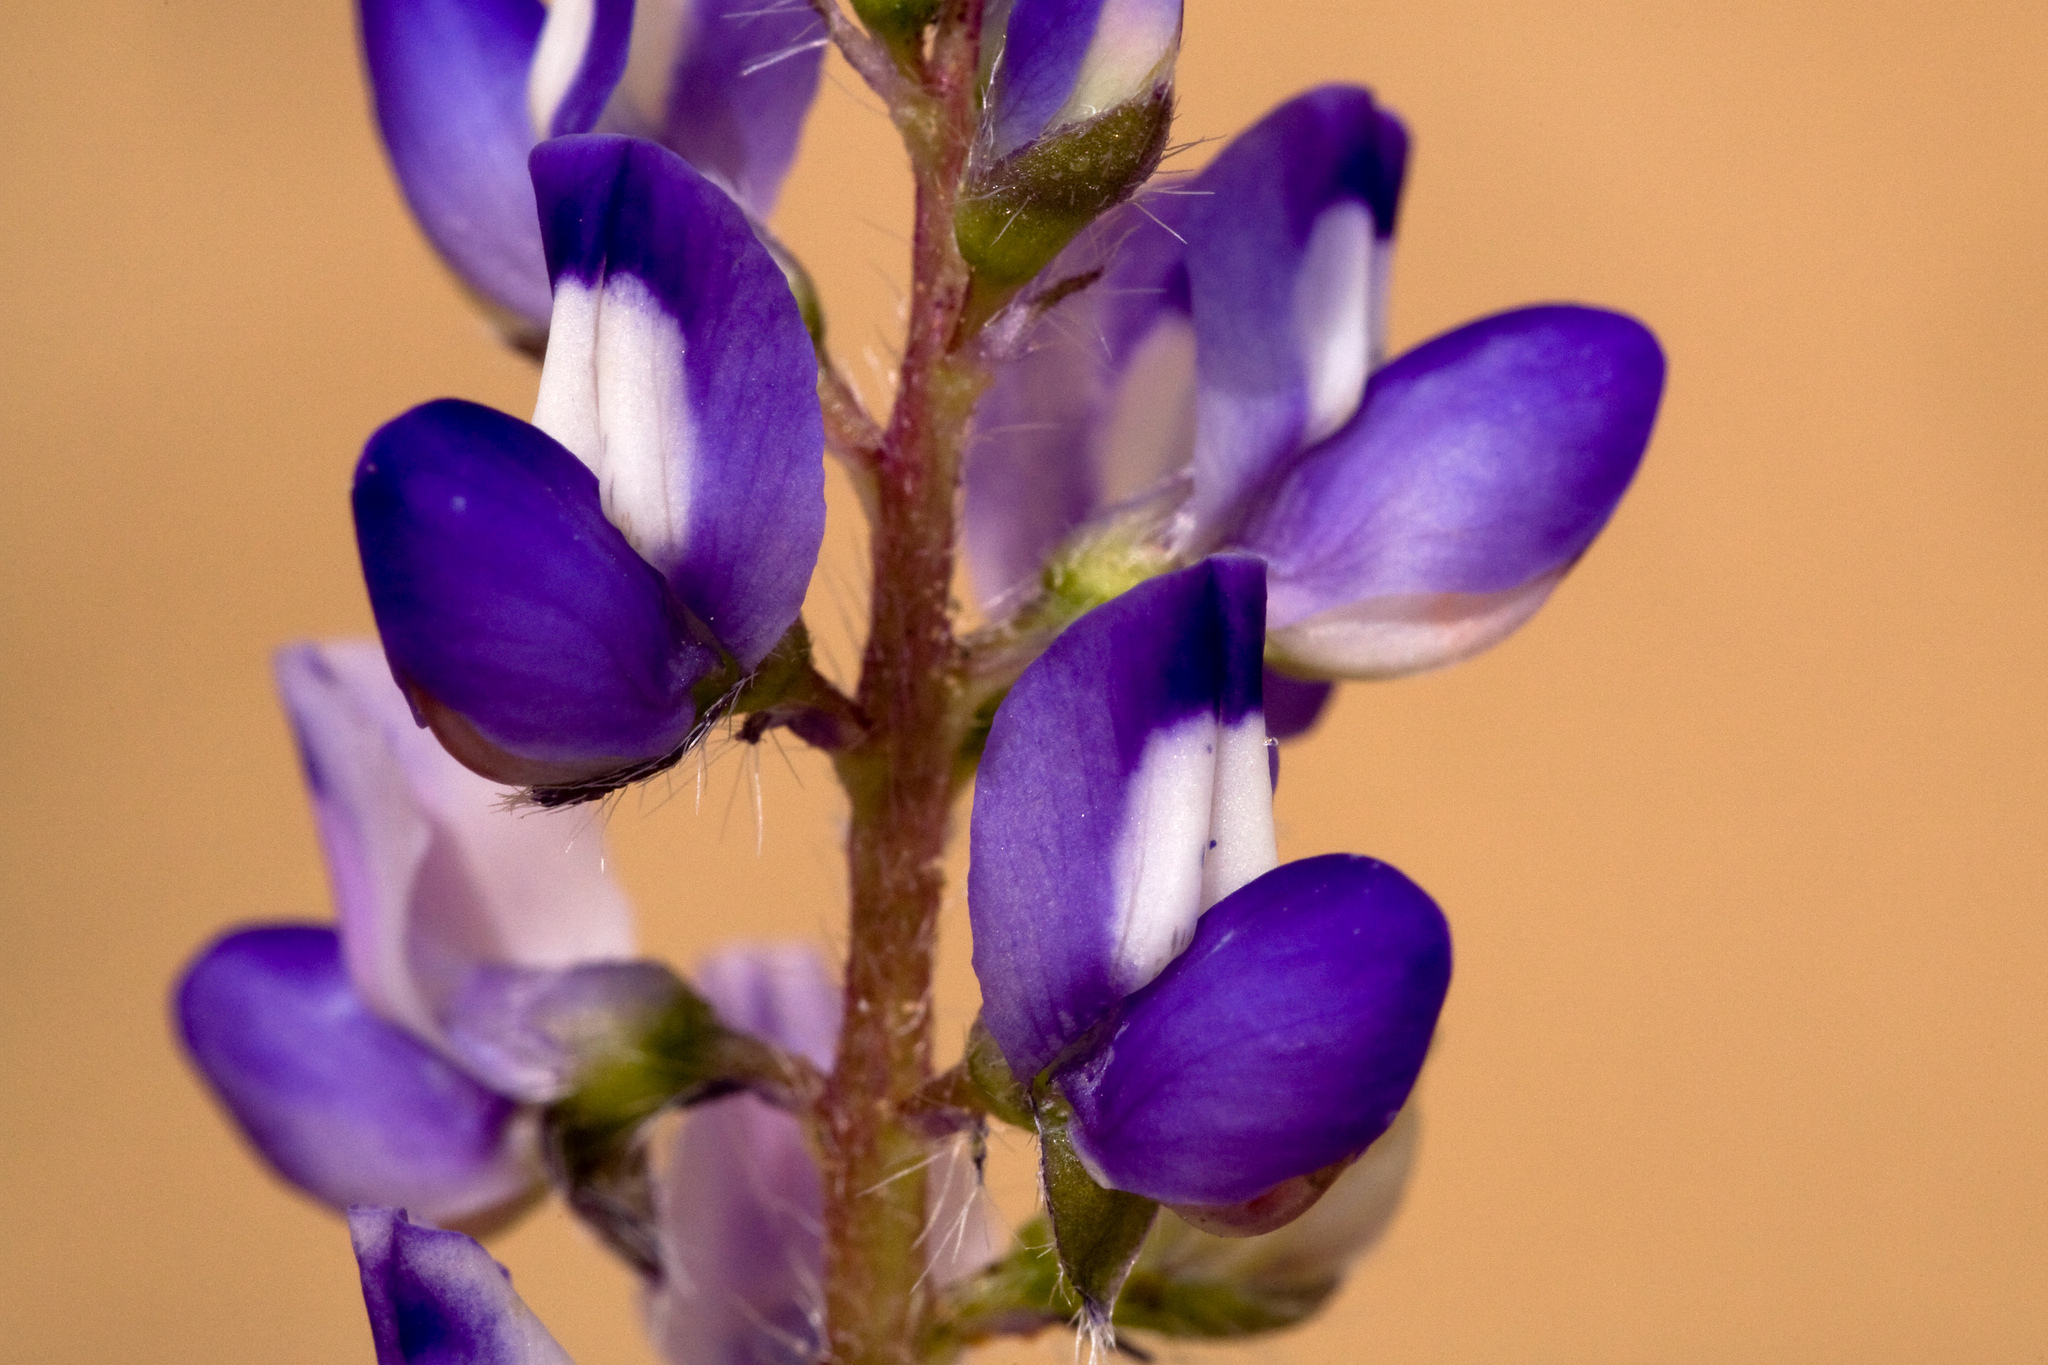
(1079, 103)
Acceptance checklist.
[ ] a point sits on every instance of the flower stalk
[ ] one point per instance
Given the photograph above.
(901, 780)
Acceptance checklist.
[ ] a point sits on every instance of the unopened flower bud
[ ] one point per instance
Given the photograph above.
(1079, 103)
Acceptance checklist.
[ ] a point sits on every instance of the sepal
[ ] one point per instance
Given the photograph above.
(594, 1137)
(1019, 212)
(1097, 1231)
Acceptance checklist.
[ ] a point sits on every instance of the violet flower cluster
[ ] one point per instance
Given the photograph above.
(1197, 493)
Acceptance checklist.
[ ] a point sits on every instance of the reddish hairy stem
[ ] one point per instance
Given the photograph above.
(899, 780)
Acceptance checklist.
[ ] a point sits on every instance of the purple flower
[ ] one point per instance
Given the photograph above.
(437, 1298)
(553, 596)
(1219, 1025)
(1220, 387)
(741, 1200)
(349, 1059)
(465, 88)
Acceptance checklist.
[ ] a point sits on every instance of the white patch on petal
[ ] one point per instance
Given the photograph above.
(557, 57)
(1241, 811)
(1197, 825)
(1130, 56)
(1389, 637)
(1336, 314)
(613, 392)
(1150, 431)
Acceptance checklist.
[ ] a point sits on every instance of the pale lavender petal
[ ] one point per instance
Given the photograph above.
(530, 1032)
(679, 371)
(1284, 1040)
(449, 81)
(742, 1211)
(437, 1298)
(1124, 790)
(740, 1198)
(1097, 407)
(433, 873)
(347, 1107)
(1479, 469)
(725, 84)
(781, 991)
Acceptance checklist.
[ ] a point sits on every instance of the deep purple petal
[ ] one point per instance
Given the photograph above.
(1479, 469)
(1125, 788)
(433, 875)
(1065, 60)
(1286, 1038)
(1096, 408)
(679, 370)
(527, 631)
(1287, 259)
(1293, 705)
(437, 1298)
(449, 81)
(724, 84)
(345, 1106)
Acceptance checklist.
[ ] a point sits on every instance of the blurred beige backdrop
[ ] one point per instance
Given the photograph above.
(1742, 840)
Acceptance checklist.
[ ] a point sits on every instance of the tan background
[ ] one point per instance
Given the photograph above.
(1742, 839)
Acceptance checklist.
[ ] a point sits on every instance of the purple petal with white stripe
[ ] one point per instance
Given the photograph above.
(433, 877)
(1285, 1039)
(347, 1107)
(1124, 790)
(1287, 263)
(577, 64)
(679, 370)
(527, 632)
(741, 1201)
(449, 80)
(1065, 61)
(725, 84)
(1480, 467)
(437, 1298)
(1235, 320)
